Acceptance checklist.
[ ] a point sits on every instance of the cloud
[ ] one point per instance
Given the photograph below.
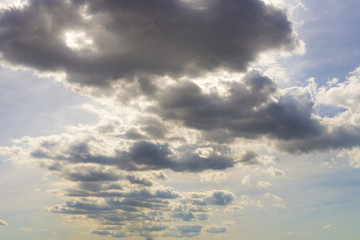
(26, 229)
(264, 184)
(101, 233)
(252, 108)
(3, 223)
(276, 200)
(221, 197)
(140, 156)
(273, 197)
(154, 37)
(190, 228)
(341, 94)
(353, 156)
(213, 177)
(246, 180)
(215, 229)
(327, 226)
(244, 202)
(275, 172)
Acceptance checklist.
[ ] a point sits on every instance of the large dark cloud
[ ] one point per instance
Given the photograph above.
(253, 108)
(157, 37)
(141, 156)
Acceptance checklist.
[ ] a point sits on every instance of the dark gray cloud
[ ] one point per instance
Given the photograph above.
(252, 109)
(250, 158)
(141, 156)
(128, 208)
(90, 174)
(101, 233)
(221, 197)
(343, 136)
(133, 37)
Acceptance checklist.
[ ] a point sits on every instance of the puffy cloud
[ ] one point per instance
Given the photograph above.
(253, 108)
(344, 94)
(221, 197)
(3, 223)
(95, 43)
(275, 172)
(141, 155)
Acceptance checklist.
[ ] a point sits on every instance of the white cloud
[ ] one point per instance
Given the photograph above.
(327, 226)
(246, 180)
(275, 172)
(214, 177)
(273, 197)
(8, 4)
(353, 156)
(264, 184)
(3, 223)
(344, 94)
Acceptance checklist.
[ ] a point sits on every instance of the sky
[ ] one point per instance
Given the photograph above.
(179, 119)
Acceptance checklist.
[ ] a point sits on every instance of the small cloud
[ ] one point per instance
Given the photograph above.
(264, 184)
(273, 197)
(275, 172)
(3, 223)
(327, 226)
(26, 229)
(246, 181)
(213, 177)
(277, 201)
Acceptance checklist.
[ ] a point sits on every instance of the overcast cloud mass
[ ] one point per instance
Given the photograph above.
(179, 89)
